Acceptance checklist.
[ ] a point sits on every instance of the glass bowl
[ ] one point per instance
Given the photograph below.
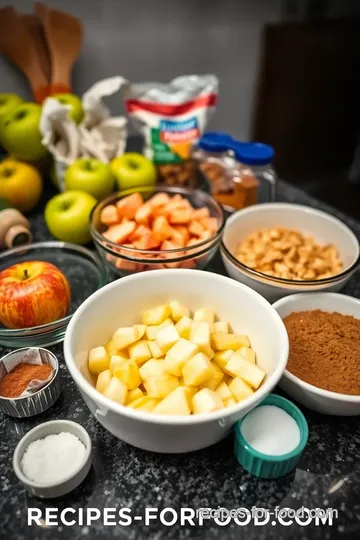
(124, 260)
(82, 268)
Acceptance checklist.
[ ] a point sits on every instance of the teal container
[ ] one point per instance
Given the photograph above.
(264, 465)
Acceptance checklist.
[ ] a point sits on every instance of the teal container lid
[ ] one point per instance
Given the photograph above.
(266, 465)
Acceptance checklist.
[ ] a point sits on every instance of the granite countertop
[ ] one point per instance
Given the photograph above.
(328, 475)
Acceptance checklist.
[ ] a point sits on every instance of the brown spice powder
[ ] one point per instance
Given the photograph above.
(15, 382)
(325, 350)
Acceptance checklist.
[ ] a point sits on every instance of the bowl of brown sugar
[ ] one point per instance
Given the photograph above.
(323, 371)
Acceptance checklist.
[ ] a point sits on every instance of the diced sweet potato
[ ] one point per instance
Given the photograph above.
(143, 214)
(210, 224)
(200, 213)
(160, 199)
(146, 242)
(178, 238)
(180, 217)
(123, 264)
(167, 244)
(110, 215)
(195, 228)
(154, 267)
(192, 242)
(178, 204)
(184, 231)
(188, 264)
(161, 229)
(128, 206)
(120, 233)
(206, 235)
(140, 231)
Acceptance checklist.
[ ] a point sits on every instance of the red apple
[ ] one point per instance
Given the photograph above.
(33, 293)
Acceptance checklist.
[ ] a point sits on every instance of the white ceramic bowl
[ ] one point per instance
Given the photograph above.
(323, 227)
(122, 302)
(53, 490)
(312, 397)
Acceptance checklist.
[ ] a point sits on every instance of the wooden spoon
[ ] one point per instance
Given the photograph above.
(36, 30)
(64, 35)
(16, 43)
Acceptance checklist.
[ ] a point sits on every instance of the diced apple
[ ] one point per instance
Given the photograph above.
(238, 366)
(155, 350)
(156, 315)
(151, 331)
(115, 361)
(183, 326)
(178, 310)
(206, 401)
(149, 405)
(167, 322)
(139, 352)
(230, 402)
(176, 403)
(98, 360)
(204, 315)
(222, 342)
(220, 327)
(141, 328)
(222, 358)
(128, 373)
(116, 390)
(152, 368)
(133, 395)
(125, 336)
(161, 386)
(111, 348)
(200, 334)
(178, 355)
(103, 380)
(139, 402)
(197, 370)
(215, 380)
(247, 353)
(224, 391)
(166, 337)
(239, 389)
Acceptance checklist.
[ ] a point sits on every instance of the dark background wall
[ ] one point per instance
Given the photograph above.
(146, 40)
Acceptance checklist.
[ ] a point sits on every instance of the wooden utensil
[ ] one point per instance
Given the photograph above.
(16, 43)
(64, 35)
(36, 30)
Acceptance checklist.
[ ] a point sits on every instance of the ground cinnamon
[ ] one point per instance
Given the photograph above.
(15, 382)
(325, 350)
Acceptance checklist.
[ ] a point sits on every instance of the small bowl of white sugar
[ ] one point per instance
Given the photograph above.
(270, 439)
(53, 458)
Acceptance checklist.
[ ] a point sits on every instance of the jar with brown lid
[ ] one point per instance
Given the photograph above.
(14, 229)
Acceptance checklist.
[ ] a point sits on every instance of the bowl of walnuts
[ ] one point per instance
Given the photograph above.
(280, 249)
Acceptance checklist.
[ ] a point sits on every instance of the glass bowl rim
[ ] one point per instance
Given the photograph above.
(59, 323)
(207, 199)
(284, 281)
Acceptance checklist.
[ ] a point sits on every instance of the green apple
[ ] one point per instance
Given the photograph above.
(133, 170)
(90, 175)
(20, 134)
(76, 112)
(8, 102)
(67, 216)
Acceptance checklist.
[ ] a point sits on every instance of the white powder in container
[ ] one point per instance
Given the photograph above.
(53, 458)
(271, 430)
